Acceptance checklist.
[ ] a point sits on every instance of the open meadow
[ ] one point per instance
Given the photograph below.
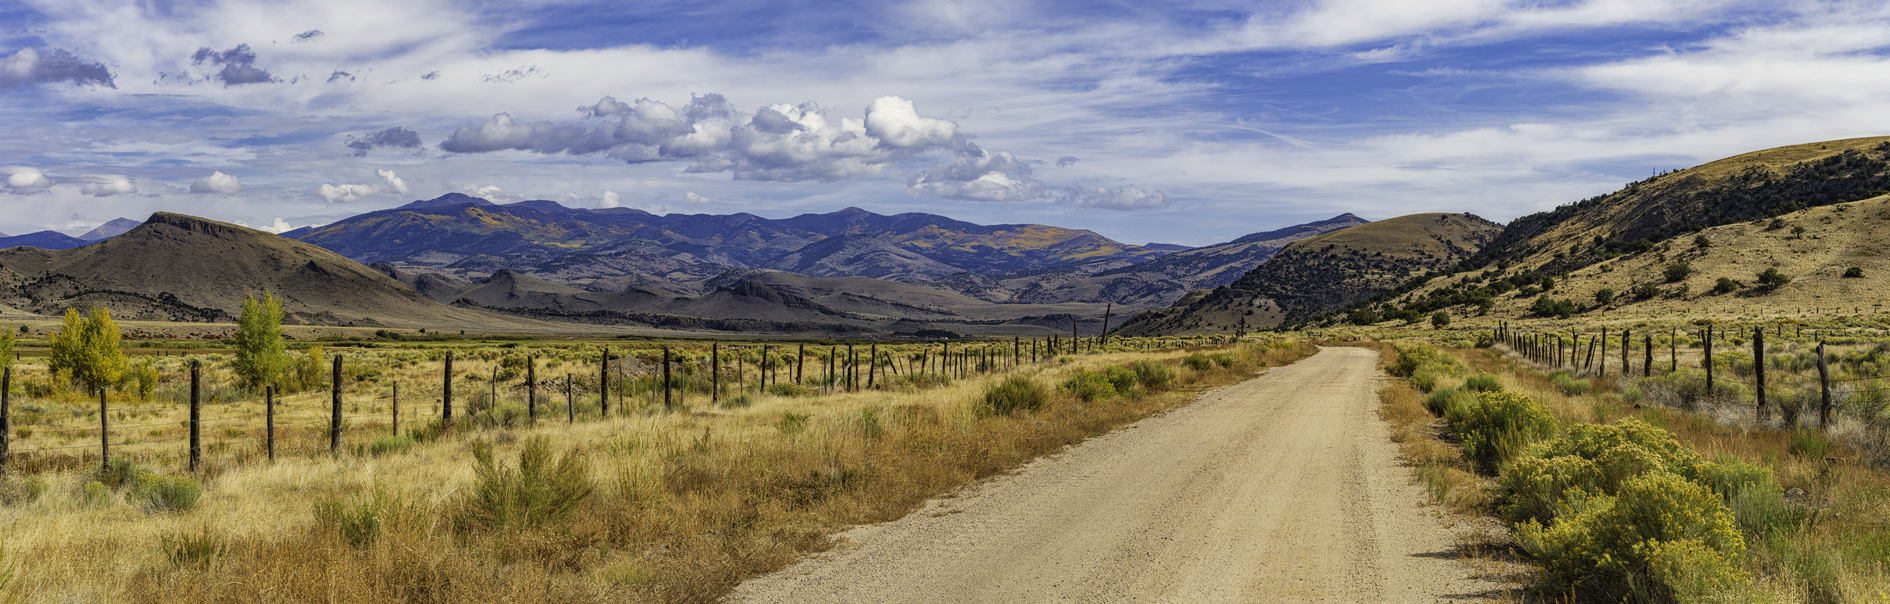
(580, 497)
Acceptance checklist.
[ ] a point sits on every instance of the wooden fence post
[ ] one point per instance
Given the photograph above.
(396, 414)
(1758, 369)
(1673, 350)
(269, 421)
(104, 433)
(1824, 391)
(715, 374)
(603, 386)
(446, 393)
(196, 417)
(1602, 372)
(1707, 342)
(668, 403)
(1627, 346)
(800, 361)
(531, 391)
(1647, 365)
(872, 367)
(570, 404)
(334, 418)
(6, 418)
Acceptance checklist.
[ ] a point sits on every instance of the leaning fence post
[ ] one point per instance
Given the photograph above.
(196, 415)
(1758, 369)
(570, 407)
(334, 419)
(269, 420)
(1824, 390)
(104, 434)
(6, 418)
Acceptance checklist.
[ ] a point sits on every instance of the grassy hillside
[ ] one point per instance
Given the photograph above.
(1748, 208)
(1814, 248)
(1321, 274)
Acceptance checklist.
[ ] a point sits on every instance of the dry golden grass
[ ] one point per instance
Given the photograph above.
(685, 506)
(1853, 497)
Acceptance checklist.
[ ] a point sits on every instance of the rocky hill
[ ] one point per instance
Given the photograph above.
(182, 268)
(1321, 274)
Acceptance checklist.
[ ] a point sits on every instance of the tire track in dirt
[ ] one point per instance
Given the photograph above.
(1283, 488)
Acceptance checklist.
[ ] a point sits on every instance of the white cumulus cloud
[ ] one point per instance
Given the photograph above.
(106, 185)
(780, 142)
(1125, 197)
(390, 184)
(611, 200)
(218, 183)
(22, 180)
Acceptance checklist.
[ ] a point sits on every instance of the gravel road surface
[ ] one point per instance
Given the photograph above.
(1284, 488)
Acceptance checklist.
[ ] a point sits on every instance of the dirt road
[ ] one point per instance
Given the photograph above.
(1284, 488)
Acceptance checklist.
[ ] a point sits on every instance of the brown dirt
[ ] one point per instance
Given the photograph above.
(1282, 488)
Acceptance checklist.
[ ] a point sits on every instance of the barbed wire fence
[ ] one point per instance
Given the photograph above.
(312, 429)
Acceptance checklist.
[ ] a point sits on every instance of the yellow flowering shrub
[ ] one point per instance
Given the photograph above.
(1499, 426)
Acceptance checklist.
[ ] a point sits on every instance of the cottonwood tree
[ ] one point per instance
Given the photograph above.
(86, 349)
(260, 353)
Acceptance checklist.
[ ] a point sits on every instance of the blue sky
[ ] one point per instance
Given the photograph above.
(1184, 122)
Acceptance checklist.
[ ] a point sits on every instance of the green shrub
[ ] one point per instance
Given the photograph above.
(1596, 459)
(1854, 273)
(1771, 279)
(1499, 426)
(1425, 378)
(121, 472)
(1806, 444)
(35, 487)
(737, 401)
(1442, 399)
(1727, 285)
(1678, 272)
(1153, 375)
(1198, 362)
(540, 491)
(1224, 359)
(1482, 382)
(1570, 386)
(1090, 387)
(167, 493)
(389, 445)
(363, 521)
(96, 495)
(1413, 356)
(1015, 393)
(1122, 379)
(787, 389)
(1604, 296)
(1662, 538)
